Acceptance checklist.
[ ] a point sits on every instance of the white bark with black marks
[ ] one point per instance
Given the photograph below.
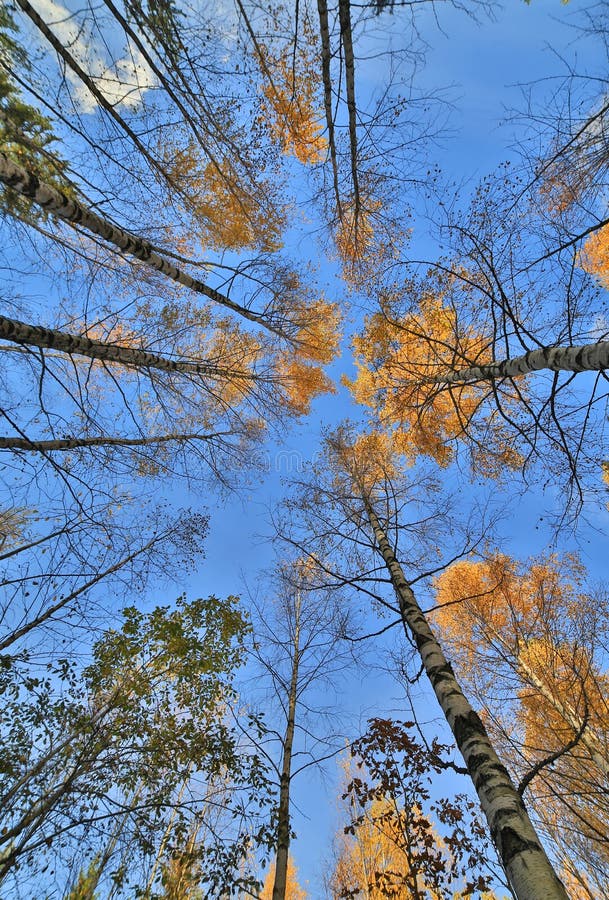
(527, 867)
(583, 358)
(28, 335)
(76, 443)
(58, 204)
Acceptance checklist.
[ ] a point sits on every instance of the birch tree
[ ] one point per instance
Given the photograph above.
(472, 355)
(532, 638)
(351, 507)
(298, 648)
(163, 284)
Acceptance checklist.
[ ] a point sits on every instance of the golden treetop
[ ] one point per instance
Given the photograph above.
(291, 106)
(594, 256)
(293, 889)
(400, 363)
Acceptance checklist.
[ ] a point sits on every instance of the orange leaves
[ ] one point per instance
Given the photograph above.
(594, 257)
(236, 217)
(368, 240)
(316, 341)
(529, 632)
(400, 365)
(355, 234)
(293, 889)
(497, 602)
(398, 843)
(366, 460)
(560, 189)
(114, 332)
(397, 362)
(373, 459)
(301, 383)
(318, 336)
(291, 106)
(233, 211)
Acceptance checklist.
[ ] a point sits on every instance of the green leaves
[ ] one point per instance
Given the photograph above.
(146, 738)
(25, 134)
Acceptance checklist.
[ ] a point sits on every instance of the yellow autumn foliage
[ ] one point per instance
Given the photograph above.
(355, 233)
(318, 337)
(301, 383)
(482, 602)
(233, 212)
(293, 889)
(594, 256)
(398, 363)
(290, 103)
(368, 460)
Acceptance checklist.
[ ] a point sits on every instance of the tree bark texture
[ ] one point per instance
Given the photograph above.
(74, 212)
(48, 338)
(326, 56)
(283, 814)
(75, 443)
(344, 15)
(528, 869)
(583, 358)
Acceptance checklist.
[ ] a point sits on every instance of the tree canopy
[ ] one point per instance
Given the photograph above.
(242, 241)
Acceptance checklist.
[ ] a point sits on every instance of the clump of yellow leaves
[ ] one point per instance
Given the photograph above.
(293, 890)
(237, 218)
(316, 341)
(496, 602)
(594, 257)
(301, 383)
(290, 104)
(355, 234)
(319, 334)
(400, 364)
(368, 460)
(368, 241)
(234, 212)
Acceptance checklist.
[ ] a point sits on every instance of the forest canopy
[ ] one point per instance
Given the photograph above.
(303, 417)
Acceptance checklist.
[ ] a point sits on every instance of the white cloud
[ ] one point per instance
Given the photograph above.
(122, 81)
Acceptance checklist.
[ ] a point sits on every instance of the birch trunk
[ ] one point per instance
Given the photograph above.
(74, 212)
(283, 816)
(582, 358)
(326, 56)
(528, 870)
(18, 443)
(48, 338)
(344, 15)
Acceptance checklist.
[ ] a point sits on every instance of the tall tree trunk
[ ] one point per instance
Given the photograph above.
(74, 212)
(528, 869)
(582, 358)
(21, 443)
(326, 56)
(48, 338)
(344, 14)
(283, 815)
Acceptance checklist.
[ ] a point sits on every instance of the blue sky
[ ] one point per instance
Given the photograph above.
(485, 68)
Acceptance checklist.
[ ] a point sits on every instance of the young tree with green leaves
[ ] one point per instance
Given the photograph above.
(138, 737)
